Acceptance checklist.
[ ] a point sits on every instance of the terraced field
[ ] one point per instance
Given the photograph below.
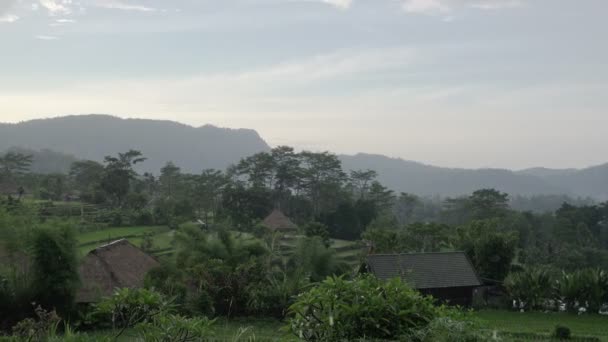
(161, 237)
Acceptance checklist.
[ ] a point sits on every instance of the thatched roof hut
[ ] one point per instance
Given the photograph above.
(116, 265)
(277, 221)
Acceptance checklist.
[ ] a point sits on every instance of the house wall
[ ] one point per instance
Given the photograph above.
(462, 296)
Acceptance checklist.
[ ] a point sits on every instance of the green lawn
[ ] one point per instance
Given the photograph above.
(544, 323)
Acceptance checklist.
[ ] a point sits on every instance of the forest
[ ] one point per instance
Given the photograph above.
(220, 264)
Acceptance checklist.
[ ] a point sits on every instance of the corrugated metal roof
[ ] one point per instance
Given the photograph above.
(426, 270)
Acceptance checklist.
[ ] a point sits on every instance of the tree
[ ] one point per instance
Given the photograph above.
(208, 189)
(169, 179)
(488, 203)
(490, 249)
(322, 179)
(381, 196)
(405, 206)
(86, 174)
(12, 166)
(55, 267)
(360, 182)
(118, 173)
(426, 237)
(318, 229)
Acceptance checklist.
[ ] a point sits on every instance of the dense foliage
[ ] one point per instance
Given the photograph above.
(364, 308)
(220, 260)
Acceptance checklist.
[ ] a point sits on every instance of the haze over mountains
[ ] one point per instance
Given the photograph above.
(193, 149)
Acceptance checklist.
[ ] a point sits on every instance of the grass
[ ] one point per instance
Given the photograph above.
(254, 329)
(88, 241)
(544, 323)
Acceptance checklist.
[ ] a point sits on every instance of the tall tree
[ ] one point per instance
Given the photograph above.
(118, 173)
(361, 181)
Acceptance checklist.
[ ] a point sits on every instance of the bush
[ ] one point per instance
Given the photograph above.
(530, 288)
(318, 229)
(40, 329)
(446, 329)
(562, 333)
(172, 328)
(128, 308)
(338, 309)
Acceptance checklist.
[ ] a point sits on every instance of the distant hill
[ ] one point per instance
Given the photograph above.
(195, 148)
(413, 177)
(96, 136)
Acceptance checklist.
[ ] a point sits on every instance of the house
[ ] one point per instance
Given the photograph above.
(447, 276)
(116, 265)
(278, 222)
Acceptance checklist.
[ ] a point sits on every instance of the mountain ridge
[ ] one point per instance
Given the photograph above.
(195, 148)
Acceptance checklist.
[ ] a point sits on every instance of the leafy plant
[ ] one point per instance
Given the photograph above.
(129, 307)
(40, 329)
(174, 328)
(365, 307)
(531, 287)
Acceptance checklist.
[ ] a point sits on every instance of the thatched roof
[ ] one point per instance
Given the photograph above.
(426, 270)
(278, 221)
(116, 265)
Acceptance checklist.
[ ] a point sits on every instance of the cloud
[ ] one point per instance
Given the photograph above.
(5, 7)
(496, 4)
(43, 37)
(57, 7)
(120, 5)
(443, 6)
(8, 18)
(425, 6)
(342, 4)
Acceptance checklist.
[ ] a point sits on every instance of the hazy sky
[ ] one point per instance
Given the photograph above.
(471, 83)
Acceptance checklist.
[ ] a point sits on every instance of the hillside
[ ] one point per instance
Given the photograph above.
(95, 136)
(193, 149)
(413, 177)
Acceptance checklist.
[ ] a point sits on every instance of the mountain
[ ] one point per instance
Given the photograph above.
(413, 177)
(195, 148)
(96, 136)
(417, 178)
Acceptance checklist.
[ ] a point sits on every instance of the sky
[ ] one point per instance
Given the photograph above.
(459, 83)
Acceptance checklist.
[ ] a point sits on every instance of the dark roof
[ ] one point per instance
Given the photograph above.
(116, 265)
(278, 221)
(425, 270)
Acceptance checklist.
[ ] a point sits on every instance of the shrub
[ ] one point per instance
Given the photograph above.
(173, 328)
(446, 329)
(129, 307)
(531, 287)
(40, 329)
(338, 309)
(320, 230)
(562, 333)
(55, 266)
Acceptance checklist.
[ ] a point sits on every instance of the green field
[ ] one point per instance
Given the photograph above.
(161, 236)
(544, 323)
(500, 321)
